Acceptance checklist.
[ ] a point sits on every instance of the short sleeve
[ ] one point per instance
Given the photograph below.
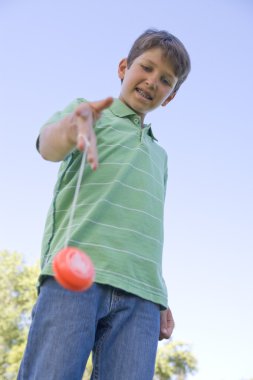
(57, 116)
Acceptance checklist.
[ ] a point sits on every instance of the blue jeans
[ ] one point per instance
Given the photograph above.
(121, 329)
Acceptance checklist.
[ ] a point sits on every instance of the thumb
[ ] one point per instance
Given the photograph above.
(100, 105)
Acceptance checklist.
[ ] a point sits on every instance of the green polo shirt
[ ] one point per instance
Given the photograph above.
(118, 220)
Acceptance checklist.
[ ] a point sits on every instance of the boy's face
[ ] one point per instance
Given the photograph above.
(148, 82)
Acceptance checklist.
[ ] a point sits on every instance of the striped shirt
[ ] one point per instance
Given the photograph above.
(118, 219)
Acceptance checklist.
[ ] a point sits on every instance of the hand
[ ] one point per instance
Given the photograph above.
(82, 132)
(167, 324)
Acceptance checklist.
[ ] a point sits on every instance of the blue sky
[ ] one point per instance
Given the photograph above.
(54, 51)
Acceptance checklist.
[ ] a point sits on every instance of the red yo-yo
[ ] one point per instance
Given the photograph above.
(73, 269)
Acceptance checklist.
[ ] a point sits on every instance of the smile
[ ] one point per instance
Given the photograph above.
(144, 94)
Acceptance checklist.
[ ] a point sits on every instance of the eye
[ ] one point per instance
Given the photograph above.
(146, 68)
(166, 81)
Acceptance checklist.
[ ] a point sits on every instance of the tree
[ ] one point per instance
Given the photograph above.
(88, 369)
(17, 295)
(174, 360)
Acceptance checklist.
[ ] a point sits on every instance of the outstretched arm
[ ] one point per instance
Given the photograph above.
(57, 140)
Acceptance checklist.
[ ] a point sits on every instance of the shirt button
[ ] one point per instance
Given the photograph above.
(136, 121)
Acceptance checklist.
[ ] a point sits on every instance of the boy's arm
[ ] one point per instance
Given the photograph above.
(167, 324)
(58, 139)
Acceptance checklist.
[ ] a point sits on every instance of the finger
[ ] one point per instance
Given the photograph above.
(92, 156)
(170, 320)
(84, 111)
(82, 142)
(163, 324)
(100, 105)
(83, 127)
(165, 333)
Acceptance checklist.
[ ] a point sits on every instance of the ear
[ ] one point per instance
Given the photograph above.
(166, 101)
(122, 68)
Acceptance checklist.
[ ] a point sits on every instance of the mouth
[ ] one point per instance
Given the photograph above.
(144, 94)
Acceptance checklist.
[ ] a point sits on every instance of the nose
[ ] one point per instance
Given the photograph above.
(152, 81)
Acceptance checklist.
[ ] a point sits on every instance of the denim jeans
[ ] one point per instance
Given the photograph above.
(121, 329)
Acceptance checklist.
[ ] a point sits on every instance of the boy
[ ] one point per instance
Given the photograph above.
(118, 222)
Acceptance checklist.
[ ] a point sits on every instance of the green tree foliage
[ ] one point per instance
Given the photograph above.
(174, 361)
(88, 369)
(17, 296)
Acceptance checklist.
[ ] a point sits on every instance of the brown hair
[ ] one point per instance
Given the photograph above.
(172, 47)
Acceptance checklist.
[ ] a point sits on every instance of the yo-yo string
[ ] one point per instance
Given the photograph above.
(77, 189)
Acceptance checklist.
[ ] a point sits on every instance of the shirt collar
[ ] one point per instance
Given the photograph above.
(120, 109)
